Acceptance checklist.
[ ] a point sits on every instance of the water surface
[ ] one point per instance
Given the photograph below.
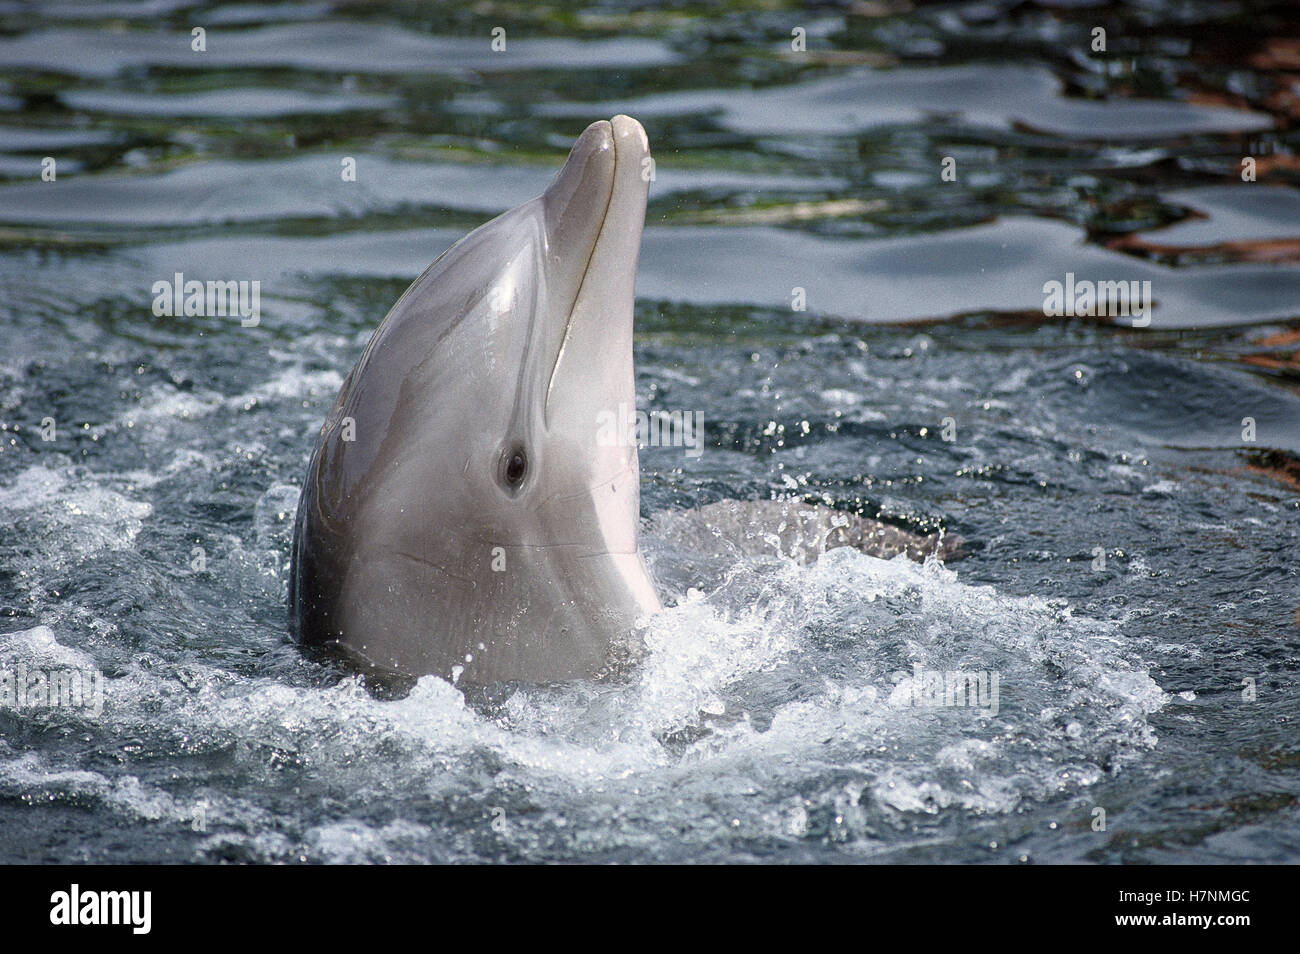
(771, 718)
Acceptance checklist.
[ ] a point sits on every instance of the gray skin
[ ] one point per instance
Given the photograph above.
(464, 512)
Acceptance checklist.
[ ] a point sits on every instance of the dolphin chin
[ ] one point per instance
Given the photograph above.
(465, 513)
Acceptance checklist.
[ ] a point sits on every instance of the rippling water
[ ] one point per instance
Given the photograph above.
(1132, 550)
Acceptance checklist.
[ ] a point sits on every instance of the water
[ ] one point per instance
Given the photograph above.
(772, 716)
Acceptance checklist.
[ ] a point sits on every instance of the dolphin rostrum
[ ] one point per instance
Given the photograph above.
(465, 513)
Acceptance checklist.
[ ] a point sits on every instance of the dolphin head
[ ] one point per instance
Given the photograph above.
(466, 512)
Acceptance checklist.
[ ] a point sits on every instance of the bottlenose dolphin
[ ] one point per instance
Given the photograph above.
(462, 515)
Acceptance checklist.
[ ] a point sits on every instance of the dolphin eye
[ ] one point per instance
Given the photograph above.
(516, 465)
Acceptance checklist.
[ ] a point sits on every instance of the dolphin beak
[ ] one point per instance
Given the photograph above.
(575, 206)
(594, 212)
(599, 195)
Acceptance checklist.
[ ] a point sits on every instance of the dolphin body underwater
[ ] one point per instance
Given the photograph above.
(462, 514)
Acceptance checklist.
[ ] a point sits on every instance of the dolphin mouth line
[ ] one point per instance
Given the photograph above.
(586, 269)
(584, 491)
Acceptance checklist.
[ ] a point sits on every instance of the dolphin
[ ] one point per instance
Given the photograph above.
(465, 513)
(462, 515)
